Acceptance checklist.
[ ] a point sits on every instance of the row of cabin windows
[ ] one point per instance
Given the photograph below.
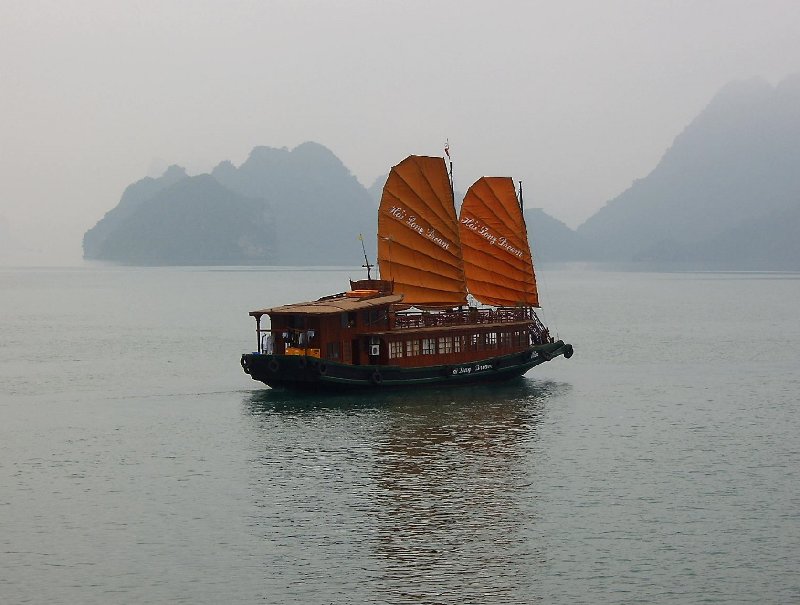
(444, 345)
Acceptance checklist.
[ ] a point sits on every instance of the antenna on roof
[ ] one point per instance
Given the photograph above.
(366, 264)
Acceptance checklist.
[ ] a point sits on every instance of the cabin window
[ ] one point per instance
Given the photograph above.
(374, 316)
(505, 339)
(458, 344)
(491, 340)
(476, 342)
(333, 350)
(351, 320)
(445, 344)
(412, 348)
(395, 350)
(428, 346)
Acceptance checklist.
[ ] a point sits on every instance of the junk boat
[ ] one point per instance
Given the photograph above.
(416, 325)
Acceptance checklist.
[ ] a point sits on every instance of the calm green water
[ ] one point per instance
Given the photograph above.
(138, 464)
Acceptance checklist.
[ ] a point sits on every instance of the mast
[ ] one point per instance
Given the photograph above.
(449, 159)
(366, 264)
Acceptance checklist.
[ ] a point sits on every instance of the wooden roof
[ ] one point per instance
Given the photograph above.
(326, 306)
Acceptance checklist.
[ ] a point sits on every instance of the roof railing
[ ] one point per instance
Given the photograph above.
(425, 319)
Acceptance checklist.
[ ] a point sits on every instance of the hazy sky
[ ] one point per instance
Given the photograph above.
(577, 99)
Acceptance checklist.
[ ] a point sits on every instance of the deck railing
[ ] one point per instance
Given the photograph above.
(403, 320)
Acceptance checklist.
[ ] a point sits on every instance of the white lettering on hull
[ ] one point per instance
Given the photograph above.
(480, 367)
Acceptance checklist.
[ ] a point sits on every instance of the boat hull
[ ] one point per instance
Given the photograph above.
(306, 372)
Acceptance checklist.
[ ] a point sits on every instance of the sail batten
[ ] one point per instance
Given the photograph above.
(497, 259)
(419, 245)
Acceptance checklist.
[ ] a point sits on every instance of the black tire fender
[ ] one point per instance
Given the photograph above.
(245, 367)
(376, 377)
(323, 368)
(273, 365)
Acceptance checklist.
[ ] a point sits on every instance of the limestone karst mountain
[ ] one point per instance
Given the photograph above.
(726, 194)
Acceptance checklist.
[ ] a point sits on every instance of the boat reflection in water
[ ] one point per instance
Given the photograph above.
(424, 494)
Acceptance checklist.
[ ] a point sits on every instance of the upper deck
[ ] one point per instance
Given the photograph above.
(405, 320)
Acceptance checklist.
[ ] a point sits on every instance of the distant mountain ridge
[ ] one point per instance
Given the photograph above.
(280, 207)
(551, 240)
(318, 206)
(726, 195)
(133, 197)
(716, 197)
(194, 221)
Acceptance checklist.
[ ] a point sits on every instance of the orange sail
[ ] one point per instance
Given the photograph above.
(418, 237)
(497, 257)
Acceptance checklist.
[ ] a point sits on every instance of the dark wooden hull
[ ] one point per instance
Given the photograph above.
(306, 372)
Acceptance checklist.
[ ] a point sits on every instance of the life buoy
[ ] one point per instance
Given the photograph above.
(273, 365)
(376, 377)
(245, 367)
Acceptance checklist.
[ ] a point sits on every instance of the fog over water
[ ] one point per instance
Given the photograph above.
(577, 99)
